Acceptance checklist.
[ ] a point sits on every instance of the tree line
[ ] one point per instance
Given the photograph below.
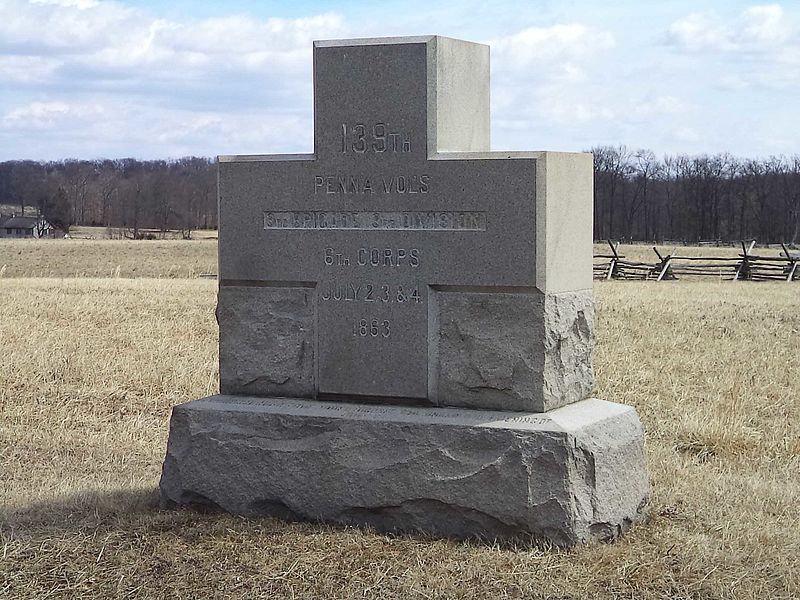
(125, 194)
(695, 198)
(638, 196)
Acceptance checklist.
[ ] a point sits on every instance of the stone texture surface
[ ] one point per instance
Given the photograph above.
(529, 352)
(573, 475)
(564, 217)
(458, 96)
(266, 341)
(568, 344)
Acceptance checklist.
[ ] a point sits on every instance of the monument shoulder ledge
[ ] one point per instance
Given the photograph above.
(490, 155)
(500, 155)
(231, 158)
(376, 41)
(441, 415)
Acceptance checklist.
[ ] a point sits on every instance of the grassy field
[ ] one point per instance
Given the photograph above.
(89, 369)
(107, 258)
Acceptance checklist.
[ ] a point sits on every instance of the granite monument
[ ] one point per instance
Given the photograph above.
(406, 321)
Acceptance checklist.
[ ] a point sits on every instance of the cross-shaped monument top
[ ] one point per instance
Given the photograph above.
(413, 95)
(359, 257)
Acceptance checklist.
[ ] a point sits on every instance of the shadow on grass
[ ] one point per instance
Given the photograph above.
(80, 510)
(130, 510)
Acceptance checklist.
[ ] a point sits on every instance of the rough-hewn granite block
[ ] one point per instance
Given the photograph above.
(572, 475)
(266, 341)
(568, 344)
(529, 352)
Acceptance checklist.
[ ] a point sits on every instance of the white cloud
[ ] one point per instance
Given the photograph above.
(48, 27)
(36, 115)
(701, 32)
(688, 134)
(758, 28)
(26, 69)
(113, 38)
(765, 25)
(545, 75)
(732, 82)
(80, 4)
(549, 47)
(113, 128)
(120, 74)
(661, 105)
(758, 49)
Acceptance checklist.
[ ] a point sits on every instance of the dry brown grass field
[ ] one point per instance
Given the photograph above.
(107, 258)
(89, 369)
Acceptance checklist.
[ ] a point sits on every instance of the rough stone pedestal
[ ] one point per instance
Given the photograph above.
(571, 475)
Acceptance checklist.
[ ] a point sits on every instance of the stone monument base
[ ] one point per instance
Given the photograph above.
(571, 475)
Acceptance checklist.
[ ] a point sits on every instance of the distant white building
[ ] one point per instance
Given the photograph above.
(25, 227)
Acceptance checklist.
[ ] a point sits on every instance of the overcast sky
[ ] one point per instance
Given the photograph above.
(91, 79)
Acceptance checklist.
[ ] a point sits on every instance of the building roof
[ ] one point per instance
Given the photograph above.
(21, 222)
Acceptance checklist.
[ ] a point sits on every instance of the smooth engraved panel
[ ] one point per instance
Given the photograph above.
(370, 101)
(375, 331)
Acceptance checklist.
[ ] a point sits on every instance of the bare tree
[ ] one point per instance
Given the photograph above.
(637, 195)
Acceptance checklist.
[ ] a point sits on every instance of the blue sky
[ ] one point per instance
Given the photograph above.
(90, 78)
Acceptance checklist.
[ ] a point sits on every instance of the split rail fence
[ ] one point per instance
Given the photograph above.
(744, 266)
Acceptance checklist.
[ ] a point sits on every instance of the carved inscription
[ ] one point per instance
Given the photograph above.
(372, 257)
(377, 220)
(372, 328)
(336, 410)
(354, 185)
(373, 137)
(381, 293)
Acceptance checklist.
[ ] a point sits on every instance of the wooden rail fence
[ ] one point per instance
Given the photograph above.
(745, 266)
